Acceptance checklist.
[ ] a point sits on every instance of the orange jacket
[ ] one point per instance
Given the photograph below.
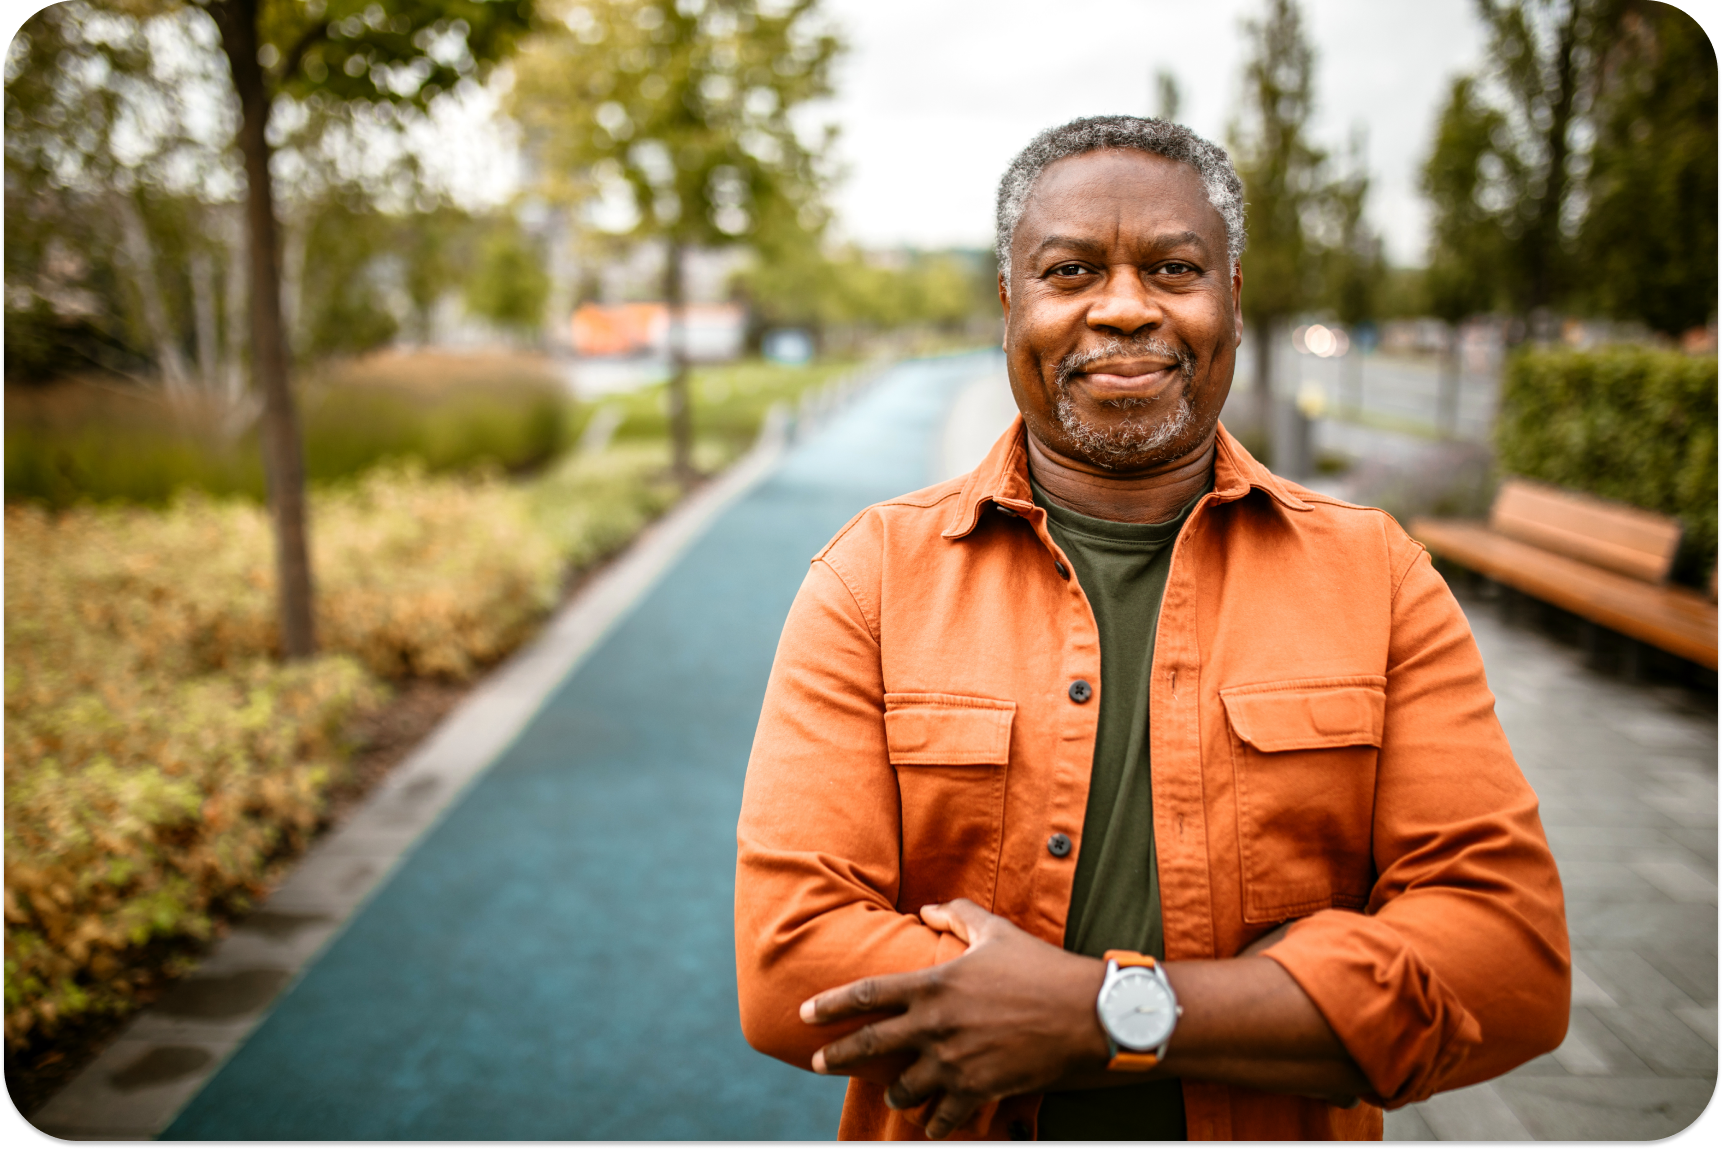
(1324, 748)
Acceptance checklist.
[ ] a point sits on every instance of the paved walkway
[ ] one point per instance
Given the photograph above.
(553, 958)
(1627, 779)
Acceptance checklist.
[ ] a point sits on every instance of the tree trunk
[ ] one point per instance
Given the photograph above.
(140, 256)
(283, 463)
(681, 407)
(295, 239)
(233, 303)
(1447, 393)
(1545, 277)
(203, 319)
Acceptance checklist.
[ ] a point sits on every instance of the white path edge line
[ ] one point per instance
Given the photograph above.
(337, 876)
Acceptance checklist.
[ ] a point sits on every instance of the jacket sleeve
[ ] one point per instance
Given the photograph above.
(1458, 969)
(819, 839)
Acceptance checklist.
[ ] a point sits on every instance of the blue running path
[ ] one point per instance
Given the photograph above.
(555, 959)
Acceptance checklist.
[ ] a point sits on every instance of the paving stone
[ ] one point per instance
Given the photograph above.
(1606, 1108)
(1679, 881)
(1593, 1042)
(1665, 732)
(1585, 989)
(1406, 1124)
(1615, 923)
(1632, 981)
(272, 940)
(1663, 1041)
(328, 883)
(1604, 843)
(1691, 967)
(1597, 878)
(124, 1092)
(1700, 1021)
(1475, 1113)
(1576, 1055)
(1600, 811)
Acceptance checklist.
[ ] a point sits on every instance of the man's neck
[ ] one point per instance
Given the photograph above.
(1154, 496)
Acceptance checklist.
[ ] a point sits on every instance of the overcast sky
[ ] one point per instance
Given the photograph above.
(936, 96)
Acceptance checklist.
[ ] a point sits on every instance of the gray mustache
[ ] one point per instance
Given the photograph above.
(1077, 362)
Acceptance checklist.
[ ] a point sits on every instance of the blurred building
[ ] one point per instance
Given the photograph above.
(714, 332)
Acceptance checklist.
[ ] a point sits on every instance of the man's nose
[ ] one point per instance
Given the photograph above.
(1125, 305)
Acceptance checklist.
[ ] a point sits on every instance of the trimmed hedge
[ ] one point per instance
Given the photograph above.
(91, 439)
(1630, 423)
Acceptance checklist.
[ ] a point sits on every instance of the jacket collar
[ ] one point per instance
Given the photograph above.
(1002, 478)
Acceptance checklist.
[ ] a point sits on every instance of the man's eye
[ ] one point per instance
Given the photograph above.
(1070, 269)
(1177, 269)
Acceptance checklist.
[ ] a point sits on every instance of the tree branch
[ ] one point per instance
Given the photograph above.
(296, 55)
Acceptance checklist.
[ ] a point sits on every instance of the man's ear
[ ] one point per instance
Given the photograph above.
(1004, 302)
(1238, 302)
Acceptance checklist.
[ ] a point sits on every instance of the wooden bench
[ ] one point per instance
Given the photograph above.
(1601, 560)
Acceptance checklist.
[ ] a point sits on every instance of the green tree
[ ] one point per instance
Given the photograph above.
(1283, 184)
(1353, 269)
(402, 53)
(1648, 242)
(1545, 58)
(510, 286)
(98, 170)
(1469, 180)
(683, 109)
(1467, 253)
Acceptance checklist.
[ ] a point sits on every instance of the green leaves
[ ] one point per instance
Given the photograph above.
(399, 52)
(684, 109)
(1580, 173)
(1629, 423)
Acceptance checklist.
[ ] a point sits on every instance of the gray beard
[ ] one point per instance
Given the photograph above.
(1138, 440)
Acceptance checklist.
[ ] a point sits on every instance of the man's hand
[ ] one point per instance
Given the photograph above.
(1011, 1015)
(1016, 1015)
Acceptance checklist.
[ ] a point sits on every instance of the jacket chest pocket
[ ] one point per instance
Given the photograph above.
(950, 752)
(1303, 760)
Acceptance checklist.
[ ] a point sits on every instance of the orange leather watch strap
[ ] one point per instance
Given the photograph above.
(1124, 1059)
(1132, 1062)
(1129, 958)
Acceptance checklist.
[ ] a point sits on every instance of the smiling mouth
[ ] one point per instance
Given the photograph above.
(1126, 367)
(1130, 372)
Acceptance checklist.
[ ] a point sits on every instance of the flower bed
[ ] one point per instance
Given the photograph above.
(158, 761)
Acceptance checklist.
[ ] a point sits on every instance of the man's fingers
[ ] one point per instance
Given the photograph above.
(869, 1043)
(951, 1114)
(918, 1083)
(960, 917)
(869, 995)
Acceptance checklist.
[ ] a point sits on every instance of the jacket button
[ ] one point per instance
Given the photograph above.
(1063, 571)
(1019, 1131)
(1080, 691)
(1058, 845)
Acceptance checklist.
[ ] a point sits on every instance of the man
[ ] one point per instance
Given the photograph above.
(1120, 789)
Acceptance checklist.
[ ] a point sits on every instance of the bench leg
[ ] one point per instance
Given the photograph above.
(1632, 660)
(1596, 646)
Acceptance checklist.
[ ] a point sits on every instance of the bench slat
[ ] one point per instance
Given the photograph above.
(1603, 533)
(1674, 619)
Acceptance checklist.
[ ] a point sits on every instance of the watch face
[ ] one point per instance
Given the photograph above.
(1138, 1010)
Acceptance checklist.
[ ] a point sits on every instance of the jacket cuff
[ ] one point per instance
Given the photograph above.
(1403, 1026)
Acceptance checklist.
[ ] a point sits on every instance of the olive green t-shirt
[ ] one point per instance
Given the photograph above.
(1115, 899)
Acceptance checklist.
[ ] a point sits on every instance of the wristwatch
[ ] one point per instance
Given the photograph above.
(1138, 1010)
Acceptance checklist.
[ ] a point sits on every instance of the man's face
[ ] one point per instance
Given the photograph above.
(1122, 321)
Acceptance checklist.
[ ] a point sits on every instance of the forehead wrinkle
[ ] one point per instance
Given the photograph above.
(1098, 247)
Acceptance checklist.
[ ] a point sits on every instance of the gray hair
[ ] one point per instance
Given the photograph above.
(1157, 137)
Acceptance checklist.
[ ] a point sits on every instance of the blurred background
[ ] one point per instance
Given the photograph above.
(346, 339)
